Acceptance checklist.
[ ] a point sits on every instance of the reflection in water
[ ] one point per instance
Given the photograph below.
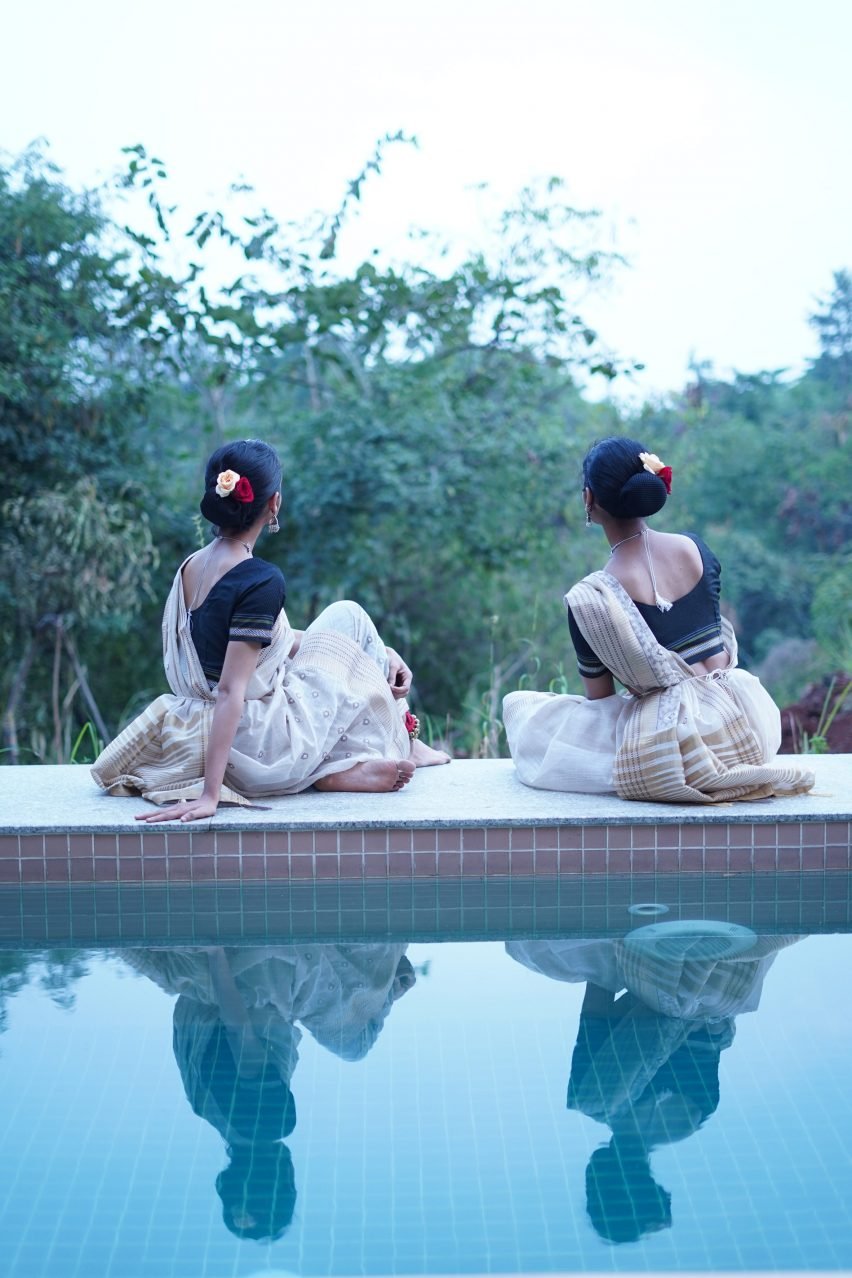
(654, 1023)
(236, 1044)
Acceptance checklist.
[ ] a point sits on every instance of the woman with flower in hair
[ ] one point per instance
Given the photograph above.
(257, 708)
(689, 727)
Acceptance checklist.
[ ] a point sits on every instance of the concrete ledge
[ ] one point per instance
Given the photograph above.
(464, 852)
(471, 818)
(480, 793)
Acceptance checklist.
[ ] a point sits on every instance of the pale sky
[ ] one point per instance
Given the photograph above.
(714, 135)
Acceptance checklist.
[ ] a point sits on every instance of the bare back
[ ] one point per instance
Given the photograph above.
(678, 568)
(677, 564)
(207, 567)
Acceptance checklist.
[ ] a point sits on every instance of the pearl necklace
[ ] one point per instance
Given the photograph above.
(624, 540)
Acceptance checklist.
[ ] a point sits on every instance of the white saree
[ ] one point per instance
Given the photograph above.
(321, 711)
(676, 736)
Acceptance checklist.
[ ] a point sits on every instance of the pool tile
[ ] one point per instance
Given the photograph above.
(594, 836)
(523, 861)
(449, 840)
(178, 842)
(424, 840)
(228, 867)
(499, 860)
(203, 868)
(618, 860)
(351, 865)
(227, 843)
(179, 869)
(300, 841)
(692, 859)
(376, 840)
(426, 864)
(594, 861)
(765, 858)
(327, 867)
(252, 842)
(499, 837)
(329, 840)
(301, 867)
(473, 839)
(667, 860)
(376, 866)
(254, 866)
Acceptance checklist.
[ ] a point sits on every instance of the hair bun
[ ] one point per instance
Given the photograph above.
(225, 512)
(643, 495)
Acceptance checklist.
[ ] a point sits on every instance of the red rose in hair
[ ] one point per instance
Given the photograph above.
(243, 490)
(665, 475)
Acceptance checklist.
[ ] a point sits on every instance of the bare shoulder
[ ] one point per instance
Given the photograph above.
(678, 547)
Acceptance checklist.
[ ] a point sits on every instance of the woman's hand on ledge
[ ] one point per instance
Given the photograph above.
(193, 810)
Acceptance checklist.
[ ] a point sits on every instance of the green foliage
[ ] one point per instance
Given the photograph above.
(428, 415)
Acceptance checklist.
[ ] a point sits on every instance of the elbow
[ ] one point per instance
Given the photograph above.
(231, 696)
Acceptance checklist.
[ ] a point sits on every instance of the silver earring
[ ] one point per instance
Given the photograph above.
(588, 518)
(273, 526)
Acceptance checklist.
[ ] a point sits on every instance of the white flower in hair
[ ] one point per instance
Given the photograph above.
(651, 462)
(227, 482)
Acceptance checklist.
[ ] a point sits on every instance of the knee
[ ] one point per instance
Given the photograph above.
(344, 615)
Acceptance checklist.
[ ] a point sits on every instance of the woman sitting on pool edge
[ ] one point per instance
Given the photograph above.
(692, 728)
(257, 708)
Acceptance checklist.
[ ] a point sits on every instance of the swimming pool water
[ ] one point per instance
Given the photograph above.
(429, 1129)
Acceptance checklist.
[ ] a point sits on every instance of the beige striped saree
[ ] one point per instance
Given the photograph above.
(675, 737)
(322, 711)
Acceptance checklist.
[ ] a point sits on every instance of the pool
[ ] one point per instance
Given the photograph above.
(440, 1106)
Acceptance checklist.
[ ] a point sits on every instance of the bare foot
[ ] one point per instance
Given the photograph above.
(423, 756)
(375, 776)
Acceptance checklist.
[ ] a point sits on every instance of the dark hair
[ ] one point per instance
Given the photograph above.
(260, 465)
(619, 481)
(258, 1191)
(623, 1200)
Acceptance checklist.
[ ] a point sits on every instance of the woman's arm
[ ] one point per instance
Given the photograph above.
(239, 666)
(246, 1047)
(602, 686)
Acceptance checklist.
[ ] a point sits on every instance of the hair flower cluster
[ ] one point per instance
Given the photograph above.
(652, 463)
(230, 484)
